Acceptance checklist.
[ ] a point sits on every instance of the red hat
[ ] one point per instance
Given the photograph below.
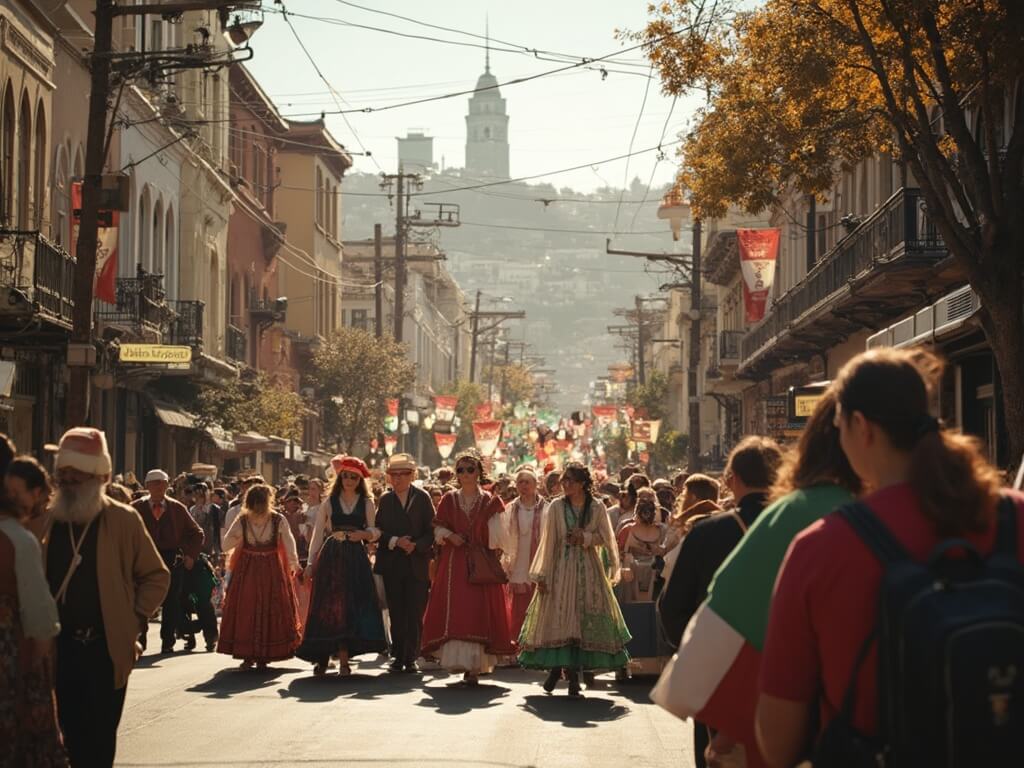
(352, 464)
(84, 449)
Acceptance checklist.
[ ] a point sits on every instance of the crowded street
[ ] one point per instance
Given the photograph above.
(285, 717)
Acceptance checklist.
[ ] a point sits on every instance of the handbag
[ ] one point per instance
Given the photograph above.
(484, 566)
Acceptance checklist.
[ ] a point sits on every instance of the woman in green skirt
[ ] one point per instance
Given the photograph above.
(574, 623)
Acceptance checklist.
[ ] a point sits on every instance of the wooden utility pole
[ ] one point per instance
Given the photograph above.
(693, 457)
(378, 281)
(640, 367)
(399, 257)
(473, 339)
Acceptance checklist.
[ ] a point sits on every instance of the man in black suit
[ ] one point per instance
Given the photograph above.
(405, 518)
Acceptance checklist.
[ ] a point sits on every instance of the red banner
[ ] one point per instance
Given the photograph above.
(104, 284)
(485, 411)
(646, 431)
(759, 251)
(444, 407)
(390, 443)
(393, 407)
(605, 414)
(487, 435)
(445, 443)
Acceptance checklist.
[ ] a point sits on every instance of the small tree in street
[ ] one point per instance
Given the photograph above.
(252, 404)
(355, 374)
(651, 399)
(799, 89)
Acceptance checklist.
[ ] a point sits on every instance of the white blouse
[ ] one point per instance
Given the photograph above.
(262, 536)
(36, 606)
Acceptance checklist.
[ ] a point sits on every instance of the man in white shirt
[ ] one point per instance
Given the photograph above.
(526, 514)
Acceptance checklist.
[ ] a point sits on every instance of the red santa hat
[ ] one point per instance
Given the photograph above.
(84, 449)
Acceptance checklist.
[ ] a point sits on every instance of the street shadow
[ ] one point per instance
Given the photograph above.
(363, 687)
(636, 690)
(229, 682)
(585, 712)
(455, 698)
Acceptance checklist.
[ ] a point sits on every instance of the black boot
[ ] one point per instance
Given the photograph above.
(574, 684)
(552, 680)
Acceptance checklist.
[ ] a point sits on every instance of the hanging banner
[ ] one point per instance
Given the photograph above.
(104, 284)
(487, 434)
(646, 431)
(391, 420)
(759, 251)
(485, 412)
(444, 407)
(390, 443)
(445, 443)
(604, 414)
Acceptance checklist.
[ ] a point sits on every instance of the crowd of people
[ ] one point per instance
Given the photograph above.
(770, 598)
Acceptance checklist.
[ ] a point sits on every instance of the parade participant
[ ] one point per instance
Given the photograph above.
(179, 541)
(29, 734)
(28, 489)
(344, 614)
(405, 519)
(574, 623)
(235, 507)
(294, 512)
(699, 499)
(725, 638)
(314, 497)
(552, 484)
(467, 625)
(445, 476)
(525, 514)
(930, 489)
(749, 474)
(634, 482)
(643, 543)
(108, 579)
(207, 516)
(260, 621)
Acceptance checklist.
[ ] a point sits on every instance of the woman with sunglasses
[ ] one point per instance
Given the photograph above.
(344, 614)
(574, 623)
(468, 623)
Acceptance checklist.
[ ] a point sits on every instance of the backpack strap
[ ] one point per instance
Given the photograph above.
(1006, 527)
(873, 533)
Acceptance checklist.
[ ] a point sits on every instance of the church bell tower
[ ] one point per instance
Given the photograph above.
(487, 128)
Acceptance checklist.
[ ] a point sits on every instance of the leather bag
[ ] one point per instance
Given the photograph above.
(484, 566)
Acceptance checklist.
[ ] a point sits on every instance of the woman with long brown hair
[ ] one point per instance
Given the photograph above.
(344, 614)
(927, 485)
(260, 620)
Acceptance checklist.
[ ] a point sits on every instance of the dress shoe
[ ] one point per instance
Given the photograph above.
(411, 668)
(574, 685)
(395, 666)
(167, 648)
(552, 680)
(190, 643)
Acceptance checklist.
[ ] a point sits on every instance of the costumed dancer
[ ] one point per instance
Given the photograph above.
(260, 622)
(344, 613)
(468, 621)
(574, 623)
(525, 514)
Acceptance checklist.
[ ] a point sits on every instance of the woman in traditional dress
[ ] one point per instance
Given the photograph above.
(524, 518)
(260, 621)
(467, 623)
(574, 623)
(645, 543)
(344, 613)
(29, 735)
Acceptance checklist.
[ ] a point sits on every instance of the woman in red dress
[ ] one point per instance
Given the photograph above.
(260, 620)
(468, 625)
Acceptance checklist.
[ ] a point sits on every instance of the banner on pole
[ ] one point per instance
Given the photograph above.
(759, 251)
(485, 412)
(646, 431)
(390, 443)
(604, 414)
(391, 420)
(487, 435)
(444, 407)
(445, 443)
(105, 281)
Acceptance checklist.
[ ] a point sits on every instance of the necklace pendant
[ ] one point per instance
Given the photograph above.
(76, 560)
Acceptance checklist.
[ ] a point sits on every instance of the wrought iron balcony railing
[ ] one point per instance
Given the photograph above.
(186, 327)
(900, 228)
(41, 271)
(236, 344)
(139, 301)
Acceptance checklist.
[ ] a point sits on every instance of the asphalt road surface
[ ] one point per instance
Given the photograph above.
(196, 709)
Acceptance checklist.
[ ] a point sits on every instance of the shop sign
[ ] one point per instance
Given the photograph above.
(155, 354)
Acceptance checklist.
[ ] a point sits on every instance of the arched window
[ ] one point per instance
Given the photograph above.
(60, 205)
(319, 197)
(23, 193)
(142, 255)
(156, 239)
(170, 255)
(7, 140)
(215, 335)
(39, 202)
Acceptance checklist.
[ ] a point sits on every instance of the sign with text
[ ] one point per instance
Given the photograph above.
(759, 250)
(155, 354)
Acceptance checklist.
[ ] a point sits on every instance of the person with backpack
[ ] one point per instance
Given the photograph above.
(896, 632)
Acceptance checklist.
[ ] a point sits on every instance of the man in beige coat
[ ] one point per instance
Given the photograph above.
(108, 579)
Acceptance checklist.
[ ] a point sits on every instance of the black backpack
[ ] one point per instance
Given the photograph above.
(950, 637)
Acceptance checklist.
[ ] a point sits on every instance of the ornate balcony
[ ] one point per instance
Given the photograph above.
(186, 327)
(236, 344)
(885, 267)
(37, 279)
(140, 305)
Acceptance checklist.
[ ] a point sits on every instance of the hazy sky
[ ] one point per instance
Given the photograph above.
(556, 121)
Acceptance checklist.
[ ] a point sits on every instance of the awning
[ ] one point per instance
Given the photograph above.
(318, 458)
(7, 371)
(247, 442)
(174, 417)
(222, 439)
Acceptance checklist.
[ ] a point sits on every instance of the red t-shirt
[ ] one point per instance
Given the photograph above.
(825, 605)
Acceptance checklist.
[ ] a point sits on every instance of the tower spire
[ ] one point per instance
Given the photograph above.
(487, 38)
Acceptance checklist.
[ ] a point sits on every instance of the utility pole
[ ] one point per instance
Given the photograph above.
(498, 316)
(102, 63)
(693, 458)
(641, 375)
(473, 338)
(378, 281)
(399, 258)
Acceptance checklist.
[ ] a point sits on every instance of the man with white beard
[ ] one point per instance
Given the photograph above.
(108, 579)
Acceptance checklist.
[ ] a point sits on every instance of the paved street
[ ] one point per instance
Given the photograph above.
(196, 710)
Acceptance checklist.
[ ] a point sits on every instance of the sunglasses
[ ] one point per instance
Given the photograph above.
(399, 472)
(467, 470)
(350, 476)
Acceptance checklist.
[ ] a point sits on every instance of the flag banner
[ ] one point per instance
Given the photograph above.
(393, 407)
(759, 251)
(105, 282)
(445, 443)
(646, 431)
(390, 443)
(487, 434)
(391, 420)
(444, 407)
(604, 414)
(485, 412)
